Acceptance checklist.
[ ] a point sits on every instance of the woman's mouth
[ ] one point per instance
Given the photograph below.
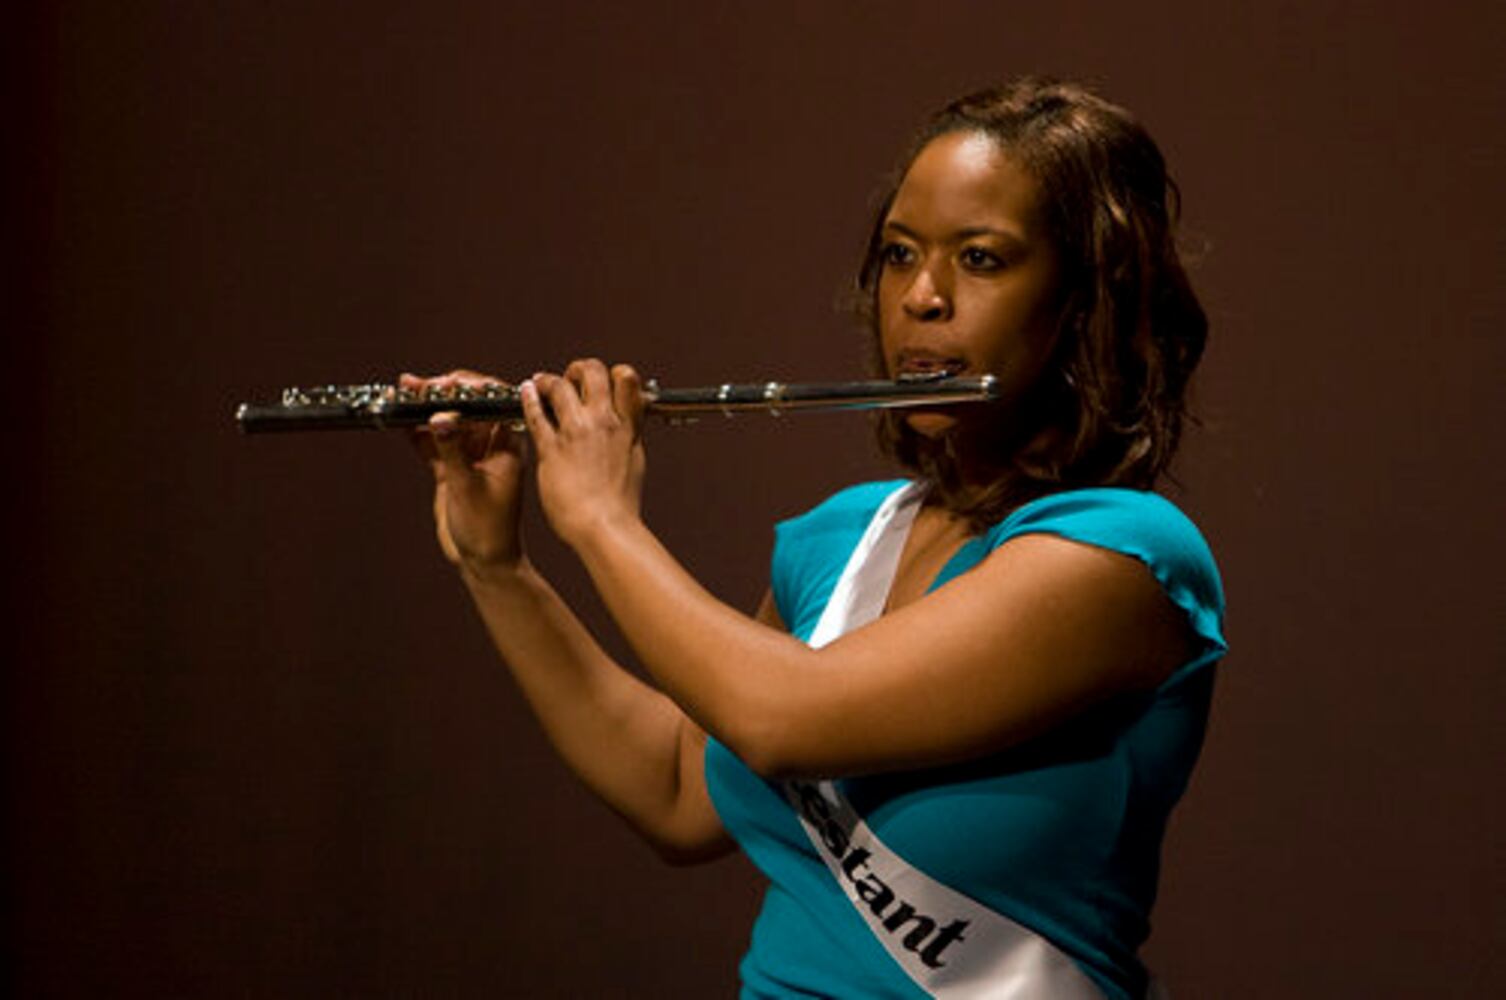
(924, 365)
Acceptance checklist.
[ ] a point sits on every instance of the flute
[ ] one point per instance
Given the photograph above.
(381, 406)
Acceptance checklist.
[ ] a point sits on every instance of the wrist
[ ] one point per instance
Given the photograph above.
(600, 529)
(496, 574)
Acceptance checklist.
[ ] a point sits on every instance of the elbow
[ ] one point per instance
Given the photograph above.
(775, 724)
(684, 855)
(769, 749)
(690, 838)
(772, 766)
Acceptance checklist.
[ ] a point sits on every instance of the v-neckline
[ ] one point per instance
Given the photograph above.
(948, 569)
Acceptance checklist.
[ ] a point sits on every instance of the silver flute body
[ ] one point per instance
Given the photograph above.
(380, 405)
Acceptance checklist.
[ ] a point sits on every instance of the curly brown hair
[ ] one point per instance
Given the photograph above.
(1131, 329)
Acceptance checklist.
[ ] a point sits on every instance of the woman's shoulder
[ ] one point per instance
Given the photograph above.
(1110, 511)
(1138, 523)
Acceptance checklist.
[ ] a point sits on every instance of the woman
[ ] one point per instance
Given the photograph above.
(953, 730)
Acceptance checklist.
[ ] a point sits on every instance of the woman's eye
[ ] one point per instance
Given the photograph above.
(896, 254)
(978, 259)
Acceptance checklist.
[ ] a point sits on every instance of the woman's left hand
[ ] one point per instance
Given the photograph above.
(587, 429)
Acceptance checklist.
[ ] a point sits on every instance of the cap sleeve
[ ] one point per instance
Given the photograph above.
(1149, 528)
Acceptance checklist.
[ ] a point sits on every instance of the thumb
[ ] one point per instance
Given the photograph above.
(449, 461)
(628, 398)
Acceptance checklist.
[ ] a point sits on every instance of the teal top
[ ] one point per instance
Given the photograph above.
(1061, 834)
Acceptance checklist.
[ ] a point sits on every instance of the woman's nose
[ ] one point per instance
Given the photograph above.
(929, 295)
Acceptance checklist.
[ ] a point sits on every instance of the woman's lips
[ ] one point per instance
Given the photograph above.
(917, 364)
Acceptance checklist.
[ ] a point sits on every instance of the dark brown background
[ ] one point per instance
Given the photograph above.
(255, 742)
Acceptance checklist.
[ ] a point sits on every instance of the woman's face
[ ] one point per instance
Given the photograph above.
(969, 277)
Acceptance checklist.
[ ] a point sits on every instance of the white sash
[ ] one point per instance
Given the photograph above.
(949, 945)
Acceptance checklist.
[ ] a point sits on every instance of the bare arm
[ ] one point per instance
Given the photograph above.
(1042, 629)
(629, 743)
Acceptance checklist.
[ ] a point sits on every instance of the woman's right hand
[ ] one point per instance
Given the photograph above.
(478, 482)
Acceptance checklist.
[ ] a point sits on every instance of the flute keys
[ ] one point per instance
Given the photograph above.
(382, 405)
(773, 395)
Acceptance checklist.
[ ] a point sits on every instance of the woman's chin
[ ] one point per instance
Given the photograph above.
(930, 423)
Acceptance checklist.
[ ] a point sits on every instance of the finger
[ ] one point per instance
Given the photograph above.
(563, 399)
(627, 396)
(540, 430)
(425, 386)
(451, 462)
(509, 436)
(472, 379)
(453, 379)
(590, 378)
(422, 440)
(419, 437)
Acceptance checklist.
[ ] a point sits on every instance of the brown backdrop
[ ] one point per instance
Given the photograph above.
(255, 741)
